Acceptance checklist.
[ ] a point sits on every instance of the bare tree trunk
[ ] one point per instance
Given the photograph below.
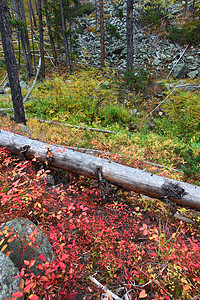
(41, 39)
(89, 166)
(26, 39)
(129, 35)
(32, 12)
(48, 20)
(64, 34)
(192, 8)
(185, 8)
(102, 35)
(17, 15)
(33, 46)
(11, 64)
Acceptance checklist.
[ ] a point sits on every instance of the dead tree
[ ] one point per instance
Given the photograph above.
(94, 167)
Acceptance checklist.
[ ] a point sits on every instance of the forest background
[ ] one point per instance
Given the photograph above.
(153, 119)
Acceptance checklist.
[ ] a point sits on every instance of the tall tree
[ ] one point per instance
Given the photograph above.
(64, 34)
(11, 65)
(26, 39)
(41, 38)
(21, 29)
(102, 35)
(48, 21)
(129, 35)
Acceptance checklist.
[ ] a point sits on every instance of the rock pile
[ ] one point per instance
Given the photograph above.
(149, 50)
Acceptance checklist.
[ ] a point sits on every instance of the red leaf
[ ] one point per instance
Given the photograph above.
(33, 297)
(42, 257)
(61, 265)
(143, 294)
(18, 294)
(28, 287)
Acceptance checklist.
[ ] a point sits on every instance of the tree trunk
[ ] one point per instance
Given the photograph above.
(129, 35)
(48, 20)
(192, 7)
(26, 39)
(89, 166)
(185, 8)
(17, 15)
(11, 64)
(64, 34)
(102, 35)
(41, 38)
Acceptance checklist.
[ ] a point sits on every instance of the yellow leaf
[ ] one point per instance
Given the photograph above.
(4, 247)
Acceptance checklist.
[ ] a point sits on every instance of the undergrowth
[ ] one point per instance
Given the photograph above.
(127, 242)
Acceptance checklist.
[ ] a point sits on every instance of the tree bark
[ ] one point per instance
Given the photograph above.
(129, 35)
(48, 20)
(26, 39)
(64, 34)
(102, 35)
(41, 39)
(89, 166)
(11, 64)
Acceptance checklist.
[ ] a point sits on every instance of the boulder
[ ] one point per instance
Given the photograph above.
(193, 74)
(26, 245)
(8, 284)
(180, 71)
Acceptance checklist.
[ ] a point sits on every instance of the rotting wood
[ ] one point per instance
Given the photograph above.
(83, 164)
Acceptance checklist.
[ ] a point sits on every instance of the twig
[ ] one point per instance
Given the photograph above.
(34, 82)
(160, 103)
(76, 126)
(177, 61)
(4, 79)
(103, 287)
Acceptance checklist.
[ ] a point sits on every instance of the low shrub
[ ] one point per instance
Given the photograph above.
(189, 33)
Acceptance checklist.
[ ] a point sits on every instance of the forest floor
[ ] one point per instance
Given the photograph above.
(131, 243)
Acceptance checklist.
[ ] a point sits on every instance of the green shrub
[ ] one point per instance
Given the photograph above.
(191, 167)
(113, 31)
(153, 12)
(85, 9)
(182, 116)
(188, 34)
(138, 80)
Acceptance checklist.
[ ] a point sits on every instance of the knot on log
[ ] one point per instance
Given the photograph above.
(173, 190)
(23, 150)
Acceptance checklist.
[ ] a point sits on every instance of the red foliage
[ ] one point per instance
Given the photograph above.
(116, 240)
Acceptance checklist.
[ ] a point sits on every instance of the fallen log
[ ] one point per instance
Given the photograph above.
(80, 163)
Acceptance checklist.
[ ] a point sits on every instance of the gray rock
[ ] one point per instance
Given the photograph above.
(193, 74)
(23, 248)
(180, 71)
(157, 61)
(8, 284)
(189, 59)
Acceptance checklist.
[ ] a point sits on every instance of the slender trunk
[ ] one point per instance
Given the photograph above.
(64, 34)
(32, 12)
(192, 8)
(11, 63)
(48, 20)
(129, 34)
(185, 8)
(26, 40)
(102, 35)
(41, 39)
(33, 46)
